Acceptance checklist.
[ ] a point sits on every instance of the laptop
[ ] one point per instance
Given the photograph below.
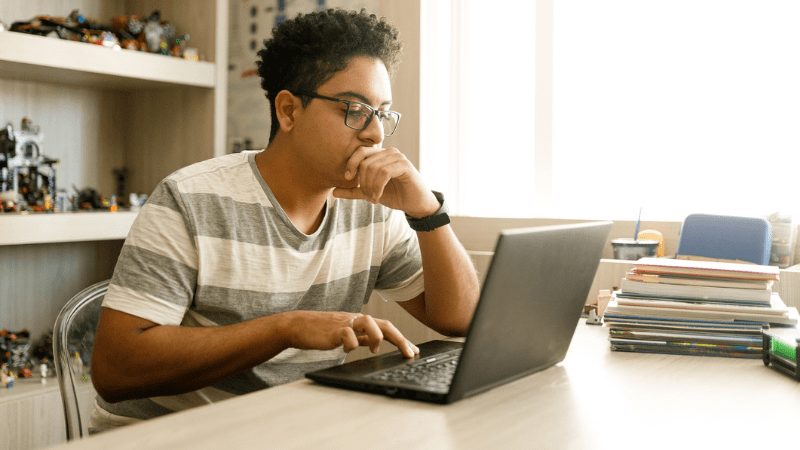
(530, 304)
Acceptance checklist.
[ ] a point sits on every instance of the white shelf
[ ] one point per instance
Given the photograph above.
(30, 57)
(49, 228)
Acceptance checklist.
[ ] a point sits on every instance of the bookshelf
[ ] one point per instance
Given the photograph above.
(99, 110)
(37, 58)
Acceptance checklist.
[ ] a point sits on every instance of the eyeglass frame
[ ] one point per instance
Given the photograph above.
(373, 112)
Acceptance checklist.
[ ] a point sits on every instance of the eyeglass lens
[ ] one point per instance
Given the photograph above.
(358, 114)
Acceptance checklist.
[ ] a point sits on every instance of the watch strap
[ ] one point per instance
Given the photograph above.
(436, 220)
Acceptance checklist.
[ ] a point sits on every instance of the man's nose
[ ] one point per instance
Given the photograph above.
(373, 131)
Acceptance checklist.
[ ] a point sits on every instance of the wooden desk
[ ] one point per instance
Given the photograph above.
(594, 399)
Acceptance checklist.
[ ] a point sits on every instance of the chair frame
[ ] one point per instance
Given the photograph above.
(66, 378)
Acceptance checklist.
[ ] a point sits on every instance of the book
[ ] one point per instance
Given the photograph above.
(776, 307)
(703, 308)
(686, 337)
(712, 269)
(692, 300)
(789, 317)
(695, 326)
(687, 280)
(729, 351)
(629, 286)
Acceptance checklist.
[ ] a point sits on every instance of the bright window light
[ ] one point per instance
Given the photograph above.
(677, 107)
(478, 111)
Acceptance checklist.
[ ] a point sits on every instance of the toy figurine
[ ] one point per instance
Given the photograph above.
(596, 310)
(27, 177)
(131, 32)
(77, 366)
(16, 352)
(89, 198)
(43, 372)
(6, 376)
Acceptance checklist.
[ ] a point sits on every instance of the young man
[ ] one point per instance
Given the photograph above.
(249, 270)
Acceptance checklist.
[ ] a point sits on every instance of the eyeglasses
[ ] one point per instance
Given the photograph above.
(359, 115)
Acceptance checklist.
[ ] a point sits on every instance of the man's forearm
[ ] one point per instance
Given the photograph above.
(136, 358)
(134, 362)
(451, 283)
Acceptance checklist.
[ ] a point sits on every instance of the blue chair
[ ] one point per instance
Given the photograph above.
(726, 237)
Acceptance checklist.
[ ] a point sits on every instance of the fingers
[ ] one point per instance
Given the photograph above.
(374, 168)
(356, 158)
(394, 336)
(369, 331)
(328, 330)
(349, 339)
(350, 194)
(366, 326)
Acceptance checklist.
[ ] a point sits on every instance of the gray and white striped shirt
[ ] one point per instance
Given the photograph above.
(213, 247)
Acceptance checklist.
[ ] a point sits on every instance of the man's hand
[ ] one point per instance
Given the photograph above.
(386, 176)
(328, 330)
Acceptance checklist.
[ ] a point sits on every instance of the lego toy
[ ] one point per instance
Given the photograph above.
(43, 371)
(27, 176)
(89, 198)
(15, 348)
(76, 26)
(150, 34)
(78, 367)
(43, 351)
(131, 32)
(6, 376)
(596, 310)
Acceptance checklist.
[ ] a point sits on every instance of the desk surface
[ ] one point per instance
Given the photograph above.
(594, 399)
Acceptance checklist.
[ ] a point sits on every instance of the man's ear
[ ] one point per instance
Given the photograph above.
(286, 108)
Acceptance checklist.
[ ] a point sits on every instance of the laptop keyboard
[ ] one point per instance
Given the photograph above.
(434, 372)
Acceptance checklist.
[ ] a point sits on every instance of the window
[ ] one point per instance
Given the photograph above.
(676, 107)
(478, 105)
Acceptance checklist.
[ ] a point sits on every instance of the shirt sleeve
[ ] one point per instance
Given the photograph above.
(156, 273)
(400, 277)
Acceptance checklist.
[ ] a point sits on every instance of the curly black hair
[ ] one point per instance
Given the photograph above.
(307, 51)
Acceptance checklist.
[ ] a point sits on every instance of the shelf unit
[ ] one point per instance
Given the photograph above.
(38, 58)
(159, 113)
(82, 226)
(99, 110)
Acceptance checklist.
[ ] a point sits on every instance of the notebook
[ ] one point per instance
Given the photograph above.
(530, 304)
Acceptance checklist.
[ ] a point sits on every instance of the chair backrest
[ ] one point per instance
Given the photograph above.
(726, 237)
(73, 340)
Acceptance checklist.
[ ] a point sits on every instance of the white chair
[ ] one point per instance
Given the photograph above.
(73, 340)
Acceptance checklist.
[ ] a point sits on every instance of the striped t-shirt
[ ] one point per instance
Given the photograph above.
(213, 247)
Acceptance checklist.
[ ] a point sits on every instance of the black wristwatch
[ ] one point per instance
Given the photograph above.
(435, 220)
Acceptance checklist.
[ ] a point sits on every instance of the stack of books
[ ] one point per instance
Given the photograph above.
(696, 308)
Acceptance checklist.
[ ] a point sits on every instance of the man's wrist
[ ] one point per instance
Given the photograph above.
(429, 223)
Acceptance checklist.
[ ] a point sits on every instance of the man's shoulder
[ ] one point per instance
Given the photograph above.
(212, 167)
